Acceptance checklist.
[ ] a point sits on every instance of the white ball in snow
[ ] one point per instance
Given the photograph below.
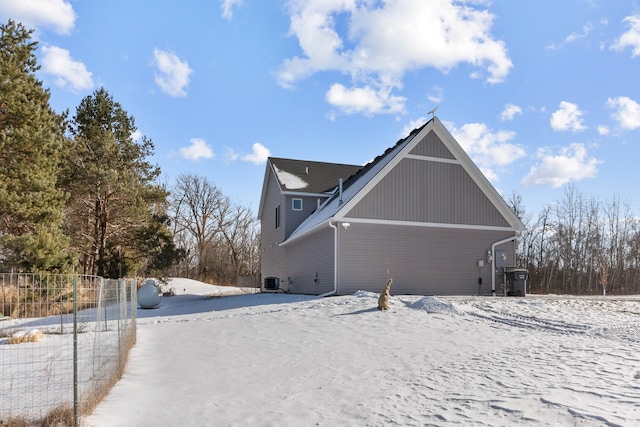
(148, 295)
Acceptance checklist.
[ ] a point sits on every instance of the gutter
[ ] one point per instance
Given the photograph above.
(335, 262)
(493, 261)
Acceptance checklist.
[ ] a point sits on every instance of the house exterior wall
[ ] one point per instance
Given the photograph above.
(423, 215)
(432, 146)
(273, 256)
(295, 218)
(310, 263)
(421, 260)
(293, 267)
(428, 191)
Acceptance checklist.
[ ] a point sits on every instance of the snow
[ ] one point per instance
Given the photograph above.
(37, 355)
(289, 180)
(205, 359)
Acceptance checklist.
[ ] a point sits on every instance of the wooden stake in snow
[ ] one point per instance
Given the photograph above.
(383, 299)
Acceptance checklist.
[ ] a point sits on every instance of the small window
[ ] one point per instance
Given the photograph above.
(296, 204)
(277, 216)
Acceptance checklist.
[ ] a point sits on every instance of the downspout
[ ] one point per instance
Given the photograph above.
(493, 261)
(335, 262)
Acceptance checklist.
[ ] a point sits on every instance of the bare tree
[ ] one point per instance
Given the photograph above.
(196, 204)
(237, 228)
(581, 246)
(221, 237)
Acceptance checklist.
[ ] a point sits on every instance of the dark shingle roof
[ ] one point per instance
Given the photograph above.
(310, 177)
(375, 161)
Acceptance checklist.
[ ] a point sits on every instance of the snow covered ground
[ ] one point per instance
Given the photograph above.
(203, 359)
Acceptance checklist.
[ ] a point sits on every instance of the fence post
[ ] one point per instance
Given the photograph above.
(75, 351)
(119, 329)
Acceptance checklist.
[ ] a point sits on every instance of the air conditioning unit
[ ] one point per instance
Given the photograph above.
(271, 283)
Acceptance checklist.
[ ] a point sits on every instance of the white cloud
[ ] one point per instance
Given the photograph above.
(368, 40)
(567, 117)
(510, 112)
(571, 164)
(575, 36)
(197, 150)
(488, 149)
(631, 38)
(230, 155)
(627, 112)
(173, 76)
(413, 124)
(436, 95)
(68, 73)
(603, 130)
(364, 100)
(258, 156)
(55, 14)
(586, 30)
(136, 135)
(227, 8)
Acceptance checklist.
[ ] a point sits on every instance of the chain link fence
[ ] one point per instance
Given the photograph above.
(64, 340)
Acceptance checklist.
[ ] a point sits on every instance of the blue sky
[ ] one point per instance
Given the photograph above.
(540, 93)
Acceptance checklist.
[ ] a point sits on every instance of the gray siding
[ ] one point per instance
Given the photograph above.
(310, 263)
(295, 218)
(273, 257)
(428, 191)
(421, 260)
(431, 146)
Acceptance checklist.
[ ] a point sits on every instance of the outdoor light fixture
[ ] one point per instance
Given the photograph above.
(489, 256)
(346, 225)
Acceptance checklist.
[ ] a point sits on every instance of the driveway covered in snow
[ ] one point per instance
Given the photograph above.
(288, 360)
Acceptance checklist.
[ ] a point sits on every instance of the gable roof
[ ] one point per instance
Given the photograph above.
(305, 176)
(358, 185)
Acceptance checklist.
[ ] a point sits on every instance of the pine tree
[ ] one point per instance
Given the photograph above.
(112, 185)
(31, 144)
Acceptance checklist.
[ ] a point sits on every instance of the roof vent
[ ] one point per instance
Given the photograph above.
(340, 190)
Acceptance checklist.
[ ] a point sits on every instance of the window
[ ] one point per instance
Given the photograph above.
(296, 204)
(277, 216)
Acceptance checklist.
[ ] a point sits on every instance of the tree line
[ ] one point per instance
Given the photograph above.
(581, 246)
(79, 194)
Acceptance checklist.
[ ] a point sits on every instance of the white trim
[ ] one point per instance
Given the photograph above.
(336, 260)
(493, 261)
(432, 159)
(307, 231)
(265, 183)
(400, 153)
(461, 157)
(423, 224)
(478, 177)
(302, 194)
(399, 223)
(331, 210)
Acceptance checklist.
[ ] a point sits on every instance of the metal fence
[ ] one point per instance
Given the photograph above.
(64, 340)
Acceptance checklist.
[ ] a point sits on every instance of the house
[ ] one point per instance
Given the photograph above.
(422, 213)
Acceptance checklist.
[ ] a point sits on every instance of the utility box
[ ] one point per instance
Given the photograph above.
(271, 283)
(516, 281)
